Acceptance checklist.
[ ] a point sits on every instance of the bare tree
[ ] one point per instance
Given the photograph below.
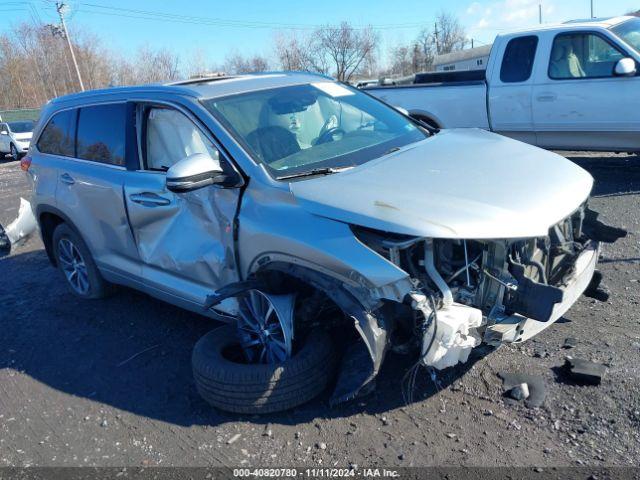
(237, 63)
(152, 66)
(450, 35)
(425, 50)
(400, 61)
(346, 48)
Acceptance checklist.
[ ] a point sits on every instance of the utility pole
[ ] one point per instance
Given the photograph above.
(592, 9)
(60, 8)
(435, 34)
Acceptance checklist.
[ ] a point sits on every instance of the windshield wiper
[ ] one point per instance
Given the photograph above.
(316, 171)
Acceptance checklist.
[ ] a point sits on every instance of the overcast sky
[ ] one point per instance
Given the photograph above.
(215, 29)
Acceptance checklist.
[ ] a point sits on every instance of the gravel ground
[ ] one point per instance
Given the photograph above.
(74, 392)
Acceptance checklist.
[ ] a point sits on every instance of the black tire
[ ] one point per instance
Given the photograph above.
(258, 389)
(98, 286)
(13, 152)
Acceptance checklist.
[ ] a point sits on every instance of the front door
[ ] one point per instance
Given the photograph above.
(580, 103)
(185, 240)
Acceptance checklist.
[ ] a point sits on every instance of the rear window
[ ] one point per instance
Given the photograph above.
(517, 62)
(57, 136)
(101, 133)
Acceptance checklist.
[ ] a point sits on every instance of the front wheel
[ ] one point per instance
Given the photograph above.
(13, 152)
(226, 381)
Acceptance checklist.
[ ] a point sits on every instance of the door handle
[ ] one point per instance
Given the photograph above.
(149, 199)
(546, 97)
(66, 178)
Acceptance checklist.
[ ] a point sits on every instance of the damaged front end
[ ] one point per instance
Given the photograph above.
(498, 291)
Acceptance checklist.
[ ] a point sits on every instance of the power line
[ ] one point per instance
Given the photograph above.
(220, 22)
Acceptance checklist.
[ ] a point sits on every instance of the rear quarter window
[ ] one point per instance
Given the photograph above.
(101, 133)
(517, 62)
(57, 136)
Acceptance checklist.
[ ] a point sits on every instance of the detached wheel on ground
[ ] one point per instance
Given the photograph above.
(77, 265)
(227, 383)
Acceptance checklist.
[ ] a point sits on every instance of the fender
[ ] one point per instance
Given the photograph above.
(423, 114)
(42, 209)
(369, 323)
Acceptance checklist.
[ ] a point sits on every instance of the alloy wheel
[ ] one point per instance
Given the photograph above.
(265, 326)
(73, 266)
(14, 152)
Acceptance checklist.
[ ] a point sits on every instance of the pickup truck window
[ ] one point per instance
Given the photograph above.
(296, 129)
(517, 61)
(582, 55)
(629, 31)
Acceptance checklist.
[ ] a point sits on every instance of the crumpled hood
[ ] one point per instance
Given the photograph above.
(462, 183)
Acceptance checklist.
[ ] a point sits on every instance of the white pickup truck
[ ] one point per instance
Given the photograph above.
(569, 86)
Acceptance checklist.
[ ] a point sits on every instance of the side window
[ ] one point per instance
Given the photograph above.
(170, 136)
(101, 133)
(582, 55)
(57, 136)
(517, 62)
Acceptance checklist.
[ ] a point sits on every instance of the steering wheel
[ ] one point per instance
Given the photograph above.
(328, 135)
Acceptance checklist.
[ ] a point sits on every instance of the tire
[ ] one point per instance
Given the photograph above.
(259, 388)
(97, 286)
(13, 152)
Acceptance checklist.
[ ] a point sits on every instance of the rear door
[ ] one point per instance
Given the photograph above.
(579, 102)
(510, 109)
(90, 187)
(185, 240)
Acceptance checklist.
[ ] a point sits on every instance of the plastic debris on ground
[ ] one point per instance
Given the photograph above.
(24, 225)
(584, 372)
(536, 387)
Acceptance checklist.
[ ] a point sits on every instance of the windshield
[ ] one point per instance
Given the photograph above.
(21, 127)
(629, 31)
(297, 129)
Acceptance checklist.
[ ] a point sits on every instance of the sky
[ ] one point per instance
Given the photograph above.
(215, 29)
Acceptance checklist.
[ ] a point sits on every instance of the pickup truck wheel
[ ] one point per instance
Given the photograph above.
(226, 381)
(77, 265)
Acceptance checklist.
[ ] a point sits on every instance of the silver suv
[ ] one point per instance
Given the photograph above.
(321, 225)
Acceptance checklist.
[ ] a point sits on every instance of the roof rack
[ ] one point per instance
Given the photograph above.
(204, 79)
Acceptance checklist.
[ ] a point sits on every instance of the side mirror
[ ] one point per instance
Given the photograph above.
(193, 172)
(626, 67)
(403, 111)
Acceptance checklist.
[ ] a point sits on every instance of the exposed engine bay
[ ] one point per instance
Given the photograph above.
(496, 291)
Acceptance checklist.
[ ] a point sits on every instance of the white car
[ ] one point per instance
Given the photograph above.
(15, 137)
(573, 86)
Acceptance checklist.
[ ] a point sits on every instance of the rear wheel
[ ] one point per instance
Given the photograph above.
(77, 265)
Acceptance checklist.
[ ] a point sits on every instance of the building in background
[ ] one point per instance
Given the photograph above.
(469, 59)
